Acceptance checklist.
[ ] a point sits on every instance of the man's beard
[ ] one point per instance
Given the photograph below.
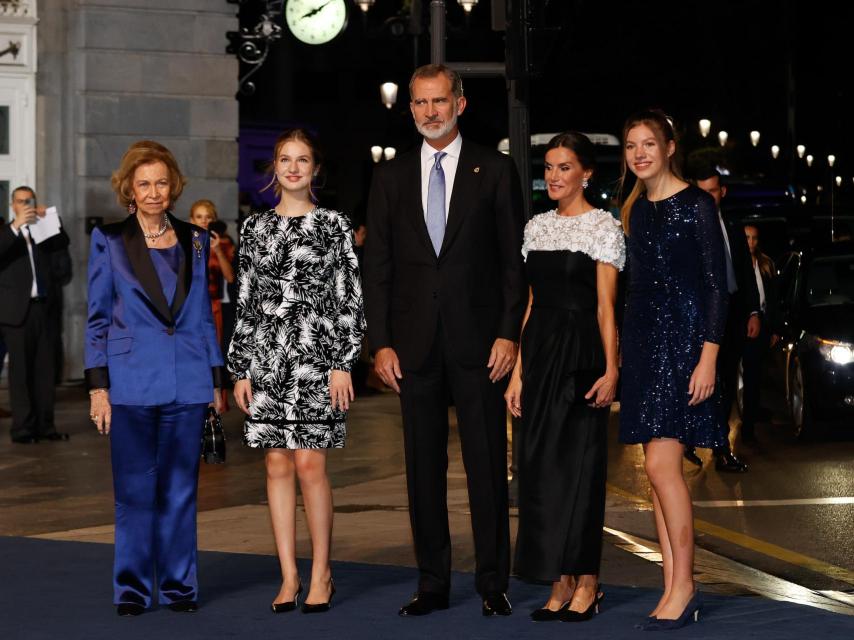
(435, 134)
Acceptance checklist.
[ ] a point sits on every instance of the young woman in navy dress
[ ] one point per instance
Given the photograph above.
(674, 320)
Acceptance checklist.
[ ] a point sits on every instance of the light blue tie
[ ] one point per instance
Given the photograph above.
(436, 202)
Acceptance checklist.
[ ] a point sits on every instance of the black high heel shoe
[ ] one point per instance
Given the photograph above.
(583, 616)
(323, 607)
(547, 615)
(284, 607)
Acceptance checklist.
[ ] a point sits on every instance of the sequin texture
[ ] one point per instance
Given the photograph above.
(676, 299)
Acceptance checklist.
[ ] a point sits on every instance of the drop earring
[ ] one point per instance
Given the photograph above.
(132, 207)
(584, 183)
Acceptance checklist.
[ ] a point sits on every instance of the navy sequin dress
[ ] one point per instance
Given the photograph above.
(676, 300)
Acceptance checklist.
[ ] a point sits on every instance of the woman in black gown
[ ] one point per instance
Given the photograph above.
(563, 383)
(674, 320)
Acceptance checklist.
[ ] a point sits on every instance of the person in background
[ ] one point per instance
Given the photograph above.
(203, 213)
(30, 287)
(563, 384)
(676, 311)
(742, 319)
(756, 349)
(153, 365)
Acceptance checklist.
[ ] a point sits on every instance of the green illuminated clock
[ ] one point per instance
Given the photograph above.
(316, 21)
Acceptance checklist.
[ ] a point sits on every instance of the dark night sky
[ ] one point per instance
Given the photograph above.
(727, 61)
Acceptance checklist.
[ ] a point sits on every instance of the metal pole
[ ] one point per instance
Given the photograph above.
(437, 31)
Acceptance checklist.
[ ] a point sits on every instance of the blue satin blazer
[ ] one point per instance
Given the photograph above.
(146, 351)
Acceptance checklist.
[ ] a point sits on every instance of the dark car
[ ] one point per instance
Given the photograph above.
(816, 311)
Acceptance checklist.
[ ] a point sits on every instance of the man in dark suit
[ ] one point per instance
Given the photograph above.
(444, 296)
(28, 288)
(743, 320)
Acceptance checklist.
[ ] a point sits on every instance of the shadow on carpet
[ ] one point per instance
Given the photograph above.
(52, 589)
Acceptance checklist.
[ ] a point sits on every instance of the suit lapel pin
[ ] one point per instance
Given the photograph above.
(196, 244)
(477, 169)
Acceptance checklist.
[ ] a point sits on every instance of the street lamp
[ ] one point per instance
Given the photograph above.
(810, 159)
(467, 5)
(803, 199)
(801, 149)
(754, 138)
(365, 4)
(376, 153)
(705, 127)
(838, 181)
(723, 136)
(775, 151)
(388, 94)
(830, 160)
(389, 153)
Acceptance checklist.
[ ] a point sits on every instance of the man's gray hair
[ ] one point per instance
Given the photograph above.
(434, 70)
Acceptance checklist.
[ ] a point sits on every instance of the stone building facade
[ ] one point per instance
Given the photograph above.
(106, 73)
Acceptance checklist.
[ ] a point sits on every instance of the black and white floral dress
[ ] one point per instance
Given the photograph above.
(299, 315)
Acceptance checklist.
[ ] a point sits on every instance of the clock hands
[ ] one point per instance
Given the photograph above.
(316, 11)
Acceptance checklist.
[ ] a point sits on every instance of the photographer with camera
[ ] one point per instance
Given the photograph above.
(31, 283)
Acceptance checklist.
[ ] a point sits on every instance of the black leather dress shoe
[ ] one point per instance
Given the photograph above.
(129, 609)
(728, 463)
(496, 604)
(424, 603)
(692, 457)
(56, 436)
(184, 606)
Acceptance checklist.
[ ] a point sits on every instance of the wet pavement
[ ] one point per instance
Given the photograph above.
(782, 530)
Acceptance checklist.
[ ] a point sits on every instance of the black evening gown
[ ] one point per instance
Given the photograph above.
(562, 442)
(676, 300)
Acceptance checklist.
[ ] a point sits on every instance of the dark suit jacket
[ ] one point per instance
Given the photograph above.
(16, 275)
(746, 300)
(475, 286)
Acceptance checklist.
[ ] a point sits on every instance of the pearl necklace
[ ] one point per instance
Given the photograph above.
(153, 236)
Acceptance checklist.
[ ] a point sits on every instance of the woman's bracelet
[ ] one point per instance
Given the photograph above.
(93, 392)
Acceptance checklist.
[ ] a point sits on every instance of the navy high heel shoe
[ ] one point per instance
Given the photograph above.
(691, 613)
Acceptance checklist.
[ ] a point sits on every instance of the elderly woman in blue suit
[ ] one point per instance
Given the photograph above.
(152, 366)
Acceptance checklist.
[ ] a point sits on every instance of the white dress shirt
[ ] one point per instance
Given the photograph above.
(449, 166)
(28, 239)
(759, 285)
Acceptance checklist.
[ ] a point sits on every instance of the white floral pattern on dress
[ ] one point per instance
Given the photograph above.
(596, 233)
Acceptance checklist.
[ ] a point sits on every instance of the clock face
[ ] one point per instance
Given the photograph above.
(316, 21)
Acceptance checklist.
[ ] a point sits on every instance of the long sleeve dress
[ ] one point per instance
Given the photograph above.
(562, 441)
(299, 316)
(676, 300)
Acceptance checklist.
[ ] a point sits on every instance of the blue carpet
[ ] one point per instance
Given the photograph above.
(53, 590)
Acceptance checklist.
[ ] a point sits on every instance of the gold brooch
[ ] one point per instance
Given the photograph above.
(196, 244)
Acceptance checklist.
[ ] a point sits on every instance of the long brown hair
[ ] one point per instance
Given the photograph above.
(661, 126)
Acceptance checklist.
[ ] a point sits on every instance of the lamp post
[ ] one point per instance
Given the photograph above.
(810, 159)
(705, 127)
(389, 153)
(467, 5)
(830, 160)
(376, 153)
(364, 5)
(775, 151)
(388, 94)
(754, 138)
(723, 136)
(801, 149)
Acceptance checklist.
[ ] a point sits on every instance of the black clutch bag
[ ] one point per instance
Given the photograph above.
(213, 439)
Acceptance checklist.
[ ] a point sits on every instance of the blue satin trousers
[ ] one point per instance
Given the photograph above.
(155, 456)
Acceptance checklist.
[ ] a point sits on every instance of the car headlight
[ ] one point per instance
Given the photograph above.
(838, 352)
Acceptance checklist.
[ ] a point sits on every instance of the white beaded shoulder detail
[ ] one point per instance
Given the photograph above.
(596, 233)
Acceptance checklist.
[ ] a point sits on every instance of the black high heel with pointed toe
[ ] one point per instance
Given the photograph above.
(127, 609)
(284, 607)
(583, 616)
(323, 607)
(547, 615)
